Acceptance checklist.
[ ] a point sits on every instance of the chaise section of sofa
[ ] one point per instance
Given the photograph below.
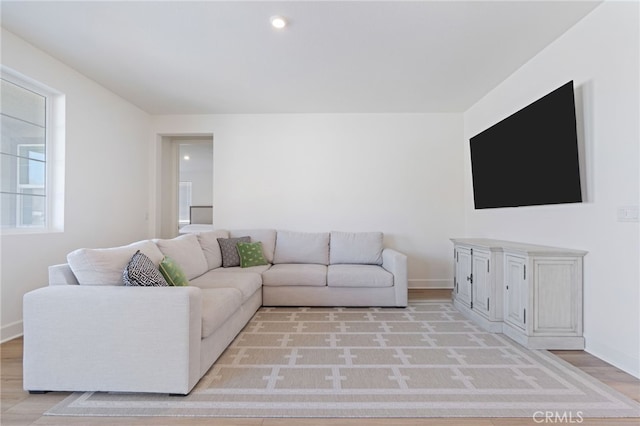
(86, 331)
(112, 338)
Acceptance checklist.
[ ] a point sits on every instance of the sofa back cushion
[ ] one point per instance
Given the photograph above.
(266, 236)
(356, 248)
(185, 250)
(302, 247)
(105, 266)
(210, 247)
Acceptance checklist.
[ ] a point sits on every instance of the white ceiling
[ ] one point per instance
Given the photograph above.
(178, 57)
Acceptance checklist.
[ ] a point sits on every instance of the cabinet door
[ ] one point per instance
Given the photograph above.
(463, 275)
(557, 296)
(516, 291)
(481, 281)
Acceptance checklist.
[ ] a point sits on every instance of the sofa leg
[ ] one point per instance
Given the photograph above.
(38, 392)
(178, 394)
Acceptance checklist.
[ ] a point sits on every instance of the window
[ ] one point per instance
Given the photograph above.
(31, 191)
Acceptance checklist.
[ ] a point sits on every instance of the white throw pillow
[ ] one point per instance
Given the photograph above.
(302, 247)
(363, 248)
(105, 266)
(185, 250)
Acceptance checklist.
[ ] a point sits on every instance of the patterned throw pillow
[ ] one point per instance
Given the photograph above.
(251, 254)
(173, 273)
(229, 250)
(140, 271)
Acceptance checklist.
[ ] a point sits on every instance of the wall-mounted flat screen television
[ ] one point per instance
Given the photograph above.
(529, 158)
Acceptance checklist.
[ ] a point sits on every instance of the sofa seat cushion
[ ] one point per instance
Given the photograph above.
(358, 276)
(295, 275)
(247, 283)
(218, 305)
(259, 269)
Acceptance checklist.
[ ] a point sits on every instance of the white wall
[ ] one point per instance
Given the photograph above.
(396, 173)
(106, 170)
(601, 55)
(198, 169)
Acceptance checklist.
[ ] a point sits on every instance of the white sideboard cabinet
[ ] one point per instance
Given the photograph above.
(531, 293)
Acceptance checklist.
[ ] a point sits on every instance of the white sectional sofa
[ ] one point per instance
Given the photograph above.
(87, 331)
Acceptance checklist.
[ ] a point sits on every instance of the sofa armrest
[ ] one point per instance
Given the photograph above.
(396, 263)
(112, 338)
(61, 274)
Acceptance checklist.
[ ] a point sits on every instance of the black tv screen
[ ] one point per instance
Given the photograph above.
(529, 158)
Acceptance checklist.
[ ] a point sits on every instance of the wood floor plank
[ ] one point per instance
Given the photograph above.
(378, 422)
(144, 421)
(608, 374)
(574, 420)
(19, 408)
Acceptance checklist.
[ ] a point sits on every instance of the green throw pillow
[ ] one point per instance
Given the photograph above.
(251, 254)
(172, 272)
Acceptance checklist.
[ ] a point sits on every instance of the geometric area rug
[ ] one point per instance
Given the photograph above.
(426, 360)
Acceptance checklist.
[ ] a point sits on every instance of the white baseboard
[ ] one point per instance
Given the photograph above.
(431, 283)
(11, 331)
(625, 362)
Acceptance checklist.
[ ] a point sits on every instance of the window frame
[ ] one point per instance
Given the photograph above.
(54, 147)
(20, 186)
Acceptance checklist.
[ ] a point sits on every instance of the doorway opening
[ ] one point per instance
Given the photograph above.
(186, 182)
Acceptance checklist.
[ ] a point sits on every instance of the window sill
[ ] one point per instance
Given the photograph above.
(29, 231)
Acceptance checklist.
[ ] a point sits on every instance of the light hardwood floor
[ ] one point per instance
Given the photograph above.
(20, 408)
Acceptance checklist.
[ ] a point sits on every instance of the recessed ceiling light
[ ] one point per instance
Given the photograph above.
(278, 22)
(186, 157)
